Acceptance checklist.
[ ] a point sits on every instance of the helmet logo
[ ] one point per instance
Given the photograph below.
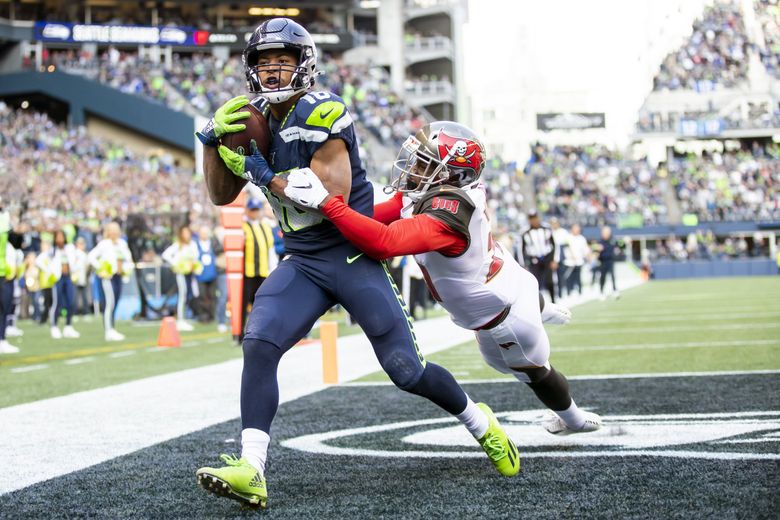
(462, 153)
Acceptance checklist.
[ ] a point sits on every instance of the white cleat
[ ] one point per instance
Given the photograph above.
(7, 348)
(183, 326)
(555, 425)
(55, 333)
(222, 328)
(70, 332)
(113, 335)
(12, 331)
(557, 314)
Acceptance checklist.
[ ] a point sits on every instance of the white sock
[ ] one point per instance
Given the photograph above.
(474, 419)
(572, 416)
(254, 447)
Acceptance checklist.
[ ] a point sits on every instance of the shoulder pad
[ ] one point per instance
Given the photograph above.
(321, 110)
(450, 205)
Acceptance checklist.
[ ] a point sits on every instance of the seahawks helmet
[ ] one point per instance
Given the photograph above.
(443, 152)
(281, 33)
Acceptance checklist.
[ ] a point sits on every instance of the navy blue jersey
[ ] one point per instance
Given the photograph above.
(314, 119)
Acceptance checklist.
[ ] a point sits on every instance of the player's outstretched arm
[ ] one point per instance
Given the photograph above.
(419, 234)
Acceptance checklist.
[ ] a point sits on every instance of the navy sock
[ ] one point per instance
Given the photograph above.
(259, 385)
(438, 385)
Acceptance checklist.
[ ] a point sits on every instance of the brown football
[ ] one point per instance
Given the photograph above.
(256, 128)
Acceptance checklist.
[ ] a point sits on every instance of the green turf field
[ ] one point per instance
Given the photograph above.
(666, 326)
(701, 325)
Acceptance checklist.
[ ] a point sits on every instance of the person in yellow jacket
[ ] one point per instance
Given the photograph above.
(15, 275)
(183, 257)
(259, 256)
(112, 262)
(7, 256)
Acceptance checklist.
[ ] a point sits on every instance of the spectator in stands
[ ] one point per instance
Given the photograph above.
(259, 256)
(182, 257)
(112, 262)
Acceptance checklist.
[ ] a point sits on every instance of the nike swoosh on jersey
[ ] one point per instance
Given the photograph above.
(351, 259)
(324, 115)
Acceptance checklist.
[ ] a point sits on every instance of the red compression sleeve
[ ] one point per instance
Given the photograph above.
(409, 236)
(389, 210)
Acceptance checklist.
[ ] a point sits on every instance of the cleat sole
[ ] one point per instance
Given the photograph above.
(222, 488)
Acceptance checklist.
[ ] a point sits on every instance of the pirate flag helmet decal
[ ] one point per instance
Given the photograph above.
(443, 152)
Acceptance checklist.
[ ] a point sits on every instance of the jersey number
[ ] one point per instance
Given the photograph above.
(290, 217)
(312, 97)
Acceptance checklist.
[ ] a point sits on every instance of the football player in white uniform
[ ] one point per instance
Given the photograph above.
(438, 214)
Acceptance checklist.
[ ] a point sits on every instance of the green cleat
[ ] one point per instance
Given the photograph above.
(499, 447)
(238, 480)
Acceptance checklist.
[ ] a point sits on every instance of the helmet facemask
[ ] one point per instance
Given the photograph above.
(302, 74)
(415, 170)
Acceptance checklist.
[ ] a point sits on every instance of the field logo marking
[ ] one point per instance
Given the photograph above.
(704, 436)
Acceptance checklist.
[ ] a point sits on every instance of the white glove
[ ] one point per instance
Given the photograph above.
(305, 188)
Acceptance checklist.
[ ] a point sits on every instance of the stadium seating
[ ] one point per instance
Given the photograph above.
(730, 186)
(715, 55)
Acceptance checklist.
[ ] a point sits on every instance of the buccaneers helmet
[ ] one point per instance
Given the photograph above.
(281, 33)
(443, 152)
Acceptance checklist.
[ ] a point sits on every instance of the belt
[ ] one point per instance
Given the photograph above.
(498, 320)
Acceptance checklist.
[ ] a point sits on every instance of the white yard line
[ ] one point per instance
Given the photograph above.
(79, 361)
(30, 368)
(122, 354)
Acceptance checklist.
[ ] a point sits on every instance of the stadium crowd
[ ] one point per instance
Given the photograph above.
(704, 245)
(715, 55)
(768, 15)
(730, 186)
(593, 185)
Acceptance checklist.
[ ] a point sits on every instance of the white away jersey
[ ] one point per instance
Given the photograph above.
(478, 284)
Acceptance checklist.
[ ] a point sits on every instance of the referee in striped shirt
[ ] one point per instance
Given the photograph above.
(540, 253)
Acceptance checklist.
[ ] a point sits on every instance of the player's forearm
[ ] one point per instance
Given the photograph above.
(222, 185)
(404, 237)
(389, 210)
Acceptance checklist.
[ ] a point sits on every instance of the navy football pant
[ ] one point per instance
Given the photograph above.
(304, 287)
(6, 303)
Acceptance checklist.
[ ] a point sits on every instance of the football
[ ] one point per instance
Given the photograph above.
(256, 128)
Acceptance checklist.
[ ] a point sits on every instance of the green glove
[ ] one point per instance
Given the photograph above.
(222, 122)
(253, 167)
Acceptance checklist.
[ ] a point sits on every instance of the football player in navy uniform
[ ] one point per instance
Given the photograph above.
(439, 214)
(313, 131)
